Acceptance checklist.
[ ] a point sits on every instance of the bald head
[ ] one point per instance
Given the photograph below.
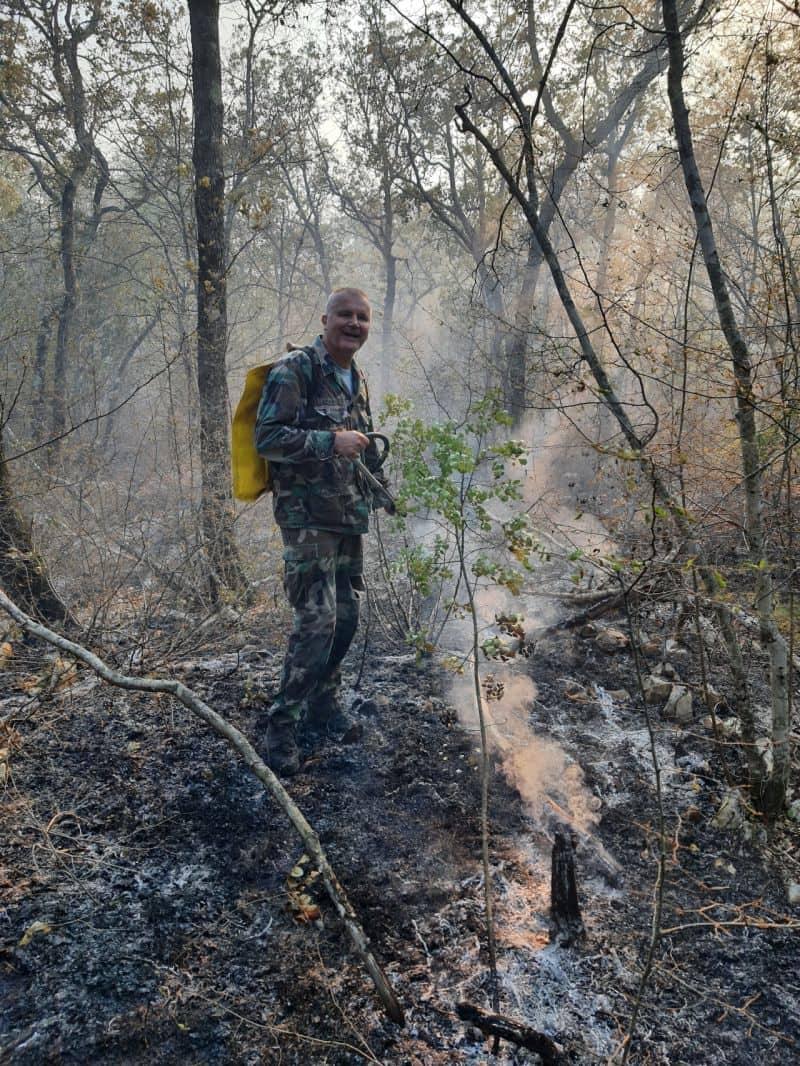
(346, 293)
(345, 324)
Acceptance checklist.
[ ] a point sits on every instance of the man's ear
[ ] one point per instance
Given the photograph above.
(324, 320)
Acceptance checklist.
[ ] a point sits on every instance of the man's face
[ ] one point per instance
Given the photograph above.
(345, 326)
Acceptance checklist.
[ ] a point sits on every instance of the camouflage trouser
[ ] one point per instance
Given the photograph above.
(322, 572)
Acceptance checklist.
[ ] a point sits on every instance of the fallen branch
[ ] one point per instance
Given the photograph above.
(602, 604)
(498, 1025)
(580, 599)
(242, 746)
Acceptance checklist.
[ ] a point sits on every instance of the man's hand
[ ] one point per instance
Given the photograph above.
(349, 443)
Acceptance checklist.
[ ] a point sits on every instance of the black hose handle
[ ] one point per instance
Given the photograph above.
(382, 454)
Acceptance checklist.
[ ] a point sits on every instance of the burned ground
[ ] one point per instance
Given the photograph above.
(146, 915)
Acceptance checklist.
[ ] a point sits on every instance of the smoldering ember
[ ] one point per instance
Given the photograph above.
(399, 413)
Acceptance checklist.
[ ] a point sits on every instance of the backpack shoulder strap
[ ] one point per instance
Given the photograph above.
(362, 378)
(311, 369)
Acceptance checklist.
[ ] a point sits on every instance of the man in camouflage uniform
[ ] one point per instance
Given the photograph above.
(312, 426)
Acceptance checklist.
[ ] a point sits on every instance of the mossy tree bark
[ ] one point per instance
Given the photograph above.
(212, 321)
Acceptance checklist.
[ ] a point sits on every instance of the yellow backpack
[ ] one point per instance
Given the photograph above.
(251, 476)
(250, 471)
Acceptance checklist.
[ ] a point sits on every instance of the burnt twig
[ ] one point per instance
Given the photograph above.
(504, 1028)
(605, 602)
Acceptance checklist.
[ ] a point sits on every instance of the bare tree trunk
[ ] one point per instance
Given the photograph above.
(22, 569)
(40, 358)
(613, 154)
(66, 314)
(212, 322)
(69, 77)
(769, 785)
(315, 225)
(515, 363)
(119, 373)
(387, 326)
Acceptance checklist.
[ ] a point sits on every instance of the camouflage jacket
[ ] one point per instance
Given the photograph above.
(302, 404)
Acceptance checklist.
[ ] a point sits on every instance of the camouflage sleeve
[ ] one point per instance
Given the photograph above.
(279, 434)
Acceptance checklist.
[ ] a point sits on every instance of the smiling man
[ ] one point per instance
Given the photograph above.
(312, 426)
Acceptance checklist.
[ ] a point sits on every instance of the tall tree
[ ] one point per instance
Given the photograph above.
(373, 192)
(565, 121)
(212, 319)
(277, 198)
(51, 119)
(23, 571)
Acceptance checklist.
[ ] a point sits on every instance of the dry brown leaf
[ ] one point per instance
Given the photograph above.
(299, 879)
(34, 929)
(579, 697)
(303, 914)
(65, 673)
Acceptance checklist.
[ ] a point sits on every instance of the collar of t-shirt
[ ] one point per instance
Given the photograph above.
(345, 376)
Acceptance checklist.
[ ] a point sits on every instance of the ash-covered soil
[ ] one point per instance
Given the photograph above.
(146, 914)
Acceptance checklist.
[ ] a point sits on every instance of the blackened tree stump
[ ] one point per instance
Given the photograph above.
(566, 923)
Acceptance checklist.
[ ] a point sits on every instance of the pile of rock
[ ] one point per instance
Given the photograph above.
(663, 686)
(607, 638)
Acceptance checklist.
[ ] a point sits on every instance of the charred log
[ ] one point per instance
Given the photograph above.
(504, 1028)
(605, 603)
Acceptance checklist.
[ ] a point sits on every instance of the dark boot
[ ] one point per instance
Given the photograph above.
(326, 714)
(282, 756)
(326, 717)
